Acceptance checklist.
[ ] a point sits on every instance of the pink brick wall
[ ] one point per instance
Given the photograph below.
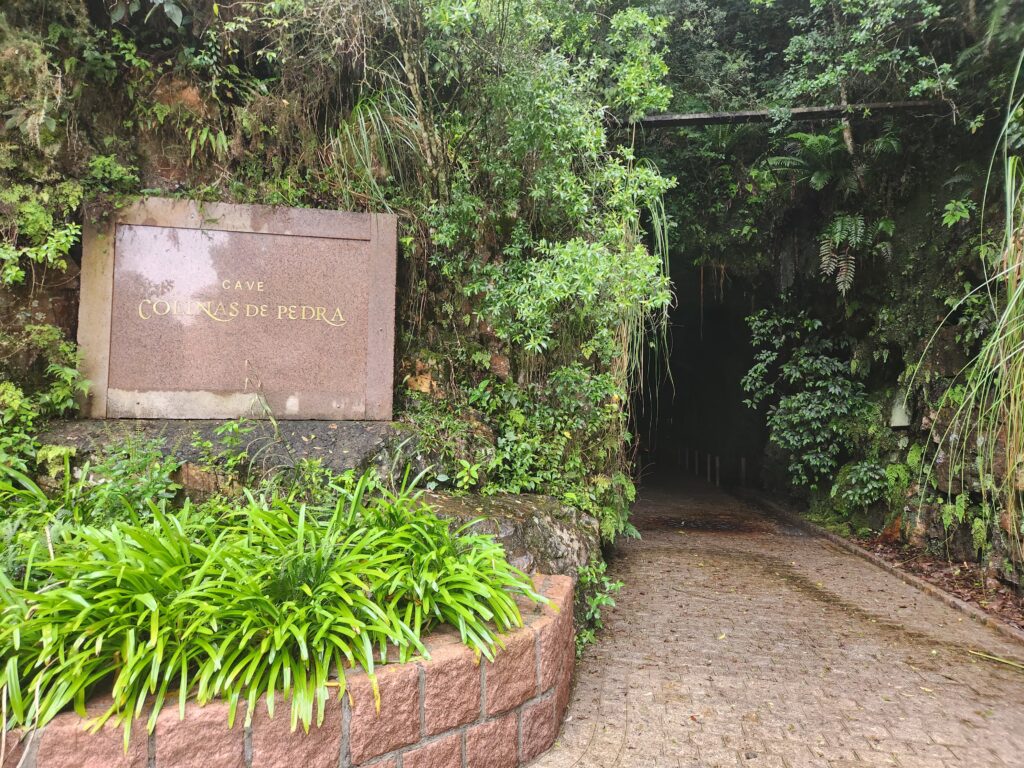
(448, 711)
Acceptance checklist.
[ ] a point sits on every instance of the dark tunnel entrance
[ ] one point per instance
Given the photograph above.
(690, 418)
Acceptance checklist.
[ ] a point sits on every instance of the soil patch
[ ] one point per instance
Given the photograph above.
(968, 581)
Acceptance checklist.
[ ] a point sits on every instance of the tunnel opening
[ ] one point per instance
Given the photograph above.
(690, 418)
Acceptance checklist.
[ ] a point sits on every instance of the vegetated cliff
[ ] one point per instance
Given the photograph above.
(524, 268)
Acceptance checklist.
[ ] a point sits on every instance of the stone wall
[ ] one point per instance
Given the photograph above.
(340, 445)
(538, 533)
(448, 711)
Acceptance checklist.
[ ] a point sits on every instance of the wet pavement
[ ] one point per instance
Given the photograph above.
(740, 641)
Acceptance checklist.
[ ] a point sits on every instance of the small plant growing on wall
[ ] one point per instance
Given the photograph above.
(595, 591)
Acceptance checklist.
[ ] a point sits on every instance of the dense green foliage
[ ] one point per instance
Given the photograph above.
(239, 599)
(118, 487)
(813, 394)
(871, 227)
(563, 437)
(482, 125)
(988, 402)
(536, 227)
(22, 410)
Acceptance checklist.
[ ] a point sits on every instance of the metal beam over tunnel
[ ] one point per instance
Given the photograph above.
(699, 119)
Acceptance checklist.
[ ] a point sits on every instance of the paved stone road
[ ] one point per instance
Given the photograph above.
(738, 641)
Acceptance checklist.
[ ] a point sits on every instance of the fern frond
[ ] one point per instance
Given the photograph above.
(820, 179)
(885, 227)
(845, 271)
(829, 257)
(784, 163)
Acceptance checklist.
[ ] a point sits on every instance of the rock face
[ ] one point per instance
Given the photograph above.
(46, 298)
(340, 445)
(538, 532)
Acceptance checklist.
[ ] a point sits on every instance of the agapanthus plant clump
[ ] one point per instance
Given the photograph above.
(274, 595)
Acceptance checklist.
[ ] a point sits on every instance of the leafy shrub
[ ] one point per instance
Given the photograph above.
(811, 393)
(43, 241)
(897, 478)
(573, 300)
(547, 436)
(595, 591)
(23, 407)
(861, 484)
(229, 454)
(562, 438)
(638, 78)
(121, 485)
(978, 518)
(272, 595)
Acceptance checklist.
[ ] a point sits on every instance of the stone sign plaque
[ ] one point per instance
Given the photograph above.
(195, 311)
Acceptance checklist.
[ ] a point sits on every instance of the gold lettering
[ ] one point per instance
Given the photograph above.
(242, 285)
(224, 312)
(204, 307)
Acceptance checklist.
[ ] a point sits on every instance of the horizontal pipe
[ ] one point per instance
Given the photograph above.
(698, 119)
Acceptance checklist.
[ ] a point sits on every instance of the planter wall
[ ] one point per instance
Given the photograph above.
(450, 711)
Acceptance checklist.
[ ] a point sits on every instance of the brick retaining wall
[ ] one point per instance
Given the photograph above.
(446, 712)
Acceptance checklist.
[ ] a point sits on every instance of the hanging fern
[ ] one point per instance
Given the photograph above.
(839, 244)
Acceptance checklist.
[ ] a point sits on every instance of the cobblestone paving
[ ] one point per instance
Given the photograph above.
(738, 641)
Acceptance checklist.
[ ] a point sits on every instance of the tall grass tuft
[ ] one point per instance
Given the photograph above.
(988, 408)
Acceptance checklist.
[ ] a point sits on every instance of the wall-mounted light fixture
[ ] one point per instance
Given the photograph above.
(899, 417)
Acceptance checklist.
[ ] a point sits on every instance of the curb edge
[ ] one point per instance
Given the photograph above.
(793, 517)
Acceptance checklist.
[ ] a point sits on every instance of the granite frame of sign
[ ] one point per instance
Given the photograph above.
(216, 311)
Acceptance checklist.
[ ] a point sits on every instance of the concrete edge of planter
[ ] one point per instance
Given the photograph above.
(794, 518)
(453, 710)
